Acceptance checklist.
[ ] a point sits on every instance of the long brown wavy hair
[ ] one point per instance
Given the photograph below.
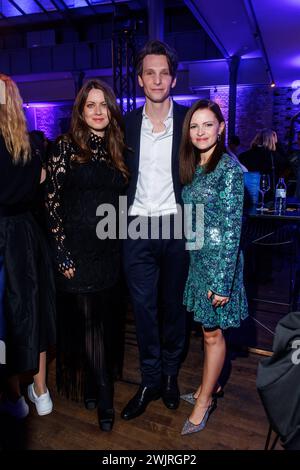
(189, 155)
(13, 125)
(114, 133)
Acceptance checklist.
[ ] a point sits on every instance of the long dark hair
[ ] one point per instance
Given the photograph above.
(189, 155)
(114, 133)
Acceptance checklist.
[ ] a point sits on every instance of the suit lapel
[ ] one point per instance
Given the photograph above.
(136, 136)
(177, 124)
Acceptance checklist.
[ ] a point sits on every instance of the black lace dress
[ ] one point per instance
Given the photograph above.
(87, 303)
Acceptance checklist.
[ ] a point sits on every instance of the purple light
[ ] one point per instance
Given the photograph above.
(294, 61)
(51, 116)
(139, 101)
(31, 7)
(295, 3)
(47, 104)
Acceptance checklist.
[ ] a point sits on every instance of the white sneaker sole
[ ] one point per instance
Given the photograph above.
(45, 411)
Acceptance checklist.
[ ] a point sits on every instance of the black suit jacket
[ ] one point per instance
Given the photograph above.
(133, 124)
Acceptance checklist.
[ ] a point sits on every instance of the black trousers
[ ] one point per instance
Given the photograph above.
(152, 267)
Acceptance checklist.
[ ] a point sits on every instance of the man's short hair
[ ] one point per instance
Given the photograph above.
(158, 48)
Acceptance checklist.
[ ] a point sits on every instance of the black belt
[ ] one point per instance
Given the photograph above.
(8, 211)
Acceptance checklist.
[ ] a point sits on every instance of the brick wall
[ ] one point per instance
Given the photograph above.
(259, 107)
(253, 113)
(52, 120)
(253, 110)
(285, 107)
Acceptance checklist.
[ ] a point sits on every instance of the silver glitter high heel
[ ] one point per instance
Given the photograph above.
(189, 397)
(190, 427)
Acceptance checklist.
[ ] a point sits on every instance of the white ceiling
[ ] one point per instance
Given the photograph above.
(232, 24)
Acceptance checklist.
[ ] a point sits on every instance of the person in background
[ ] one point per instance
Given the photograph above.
(85, 171)
(265, 156)
(214, 290)
(156, 264)
(231, 149)
(29, 292)
(40, 141)
(294, 160)
(233, 144)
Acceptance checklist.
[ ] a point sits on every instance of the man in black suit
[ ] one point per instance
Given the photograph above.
(156, 264)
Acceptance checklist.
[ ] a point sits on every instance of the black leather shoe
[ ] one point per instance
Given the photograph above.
(137, 405)
(106, 419)
(90, 403)
(170, 392)
(90, 392)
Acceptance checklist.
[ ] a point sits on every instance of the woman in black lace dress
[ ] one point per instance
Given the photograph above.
(85, 171)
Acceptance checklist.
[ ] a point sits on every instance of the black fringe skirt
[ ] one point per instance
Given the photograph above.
(89, 340)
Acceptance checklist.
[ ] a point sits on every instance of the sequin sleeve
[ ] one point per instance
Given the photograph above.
(56, 174)
(231, 195)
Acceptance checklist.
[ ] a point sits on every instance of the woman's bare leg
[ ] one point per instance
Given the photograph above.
(40, 378)
(214, 357)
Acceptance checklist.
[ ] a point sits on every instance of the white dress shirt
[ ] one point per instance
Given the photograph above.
(154, 194)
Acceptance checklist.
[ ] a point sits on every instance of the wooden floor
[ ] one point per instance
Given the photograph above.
(239, 421)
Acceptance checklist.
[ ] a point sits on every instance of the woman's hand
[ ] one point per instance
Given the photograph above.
(66, 266)
(69, 273)
(217, 300)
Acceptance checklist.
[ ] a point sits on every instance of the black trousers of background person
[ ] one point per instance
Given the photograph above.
(153, 267)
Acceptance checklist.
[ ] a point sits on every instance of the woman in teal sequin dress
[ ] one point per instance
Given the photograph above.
(214, 290)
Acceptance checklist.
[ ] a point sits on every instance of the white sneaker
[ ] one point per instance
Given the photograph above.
(18, 409)
(43, 403)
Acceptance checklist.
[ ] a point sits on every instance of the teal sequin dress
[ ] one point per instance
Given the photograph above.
(218, 264)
